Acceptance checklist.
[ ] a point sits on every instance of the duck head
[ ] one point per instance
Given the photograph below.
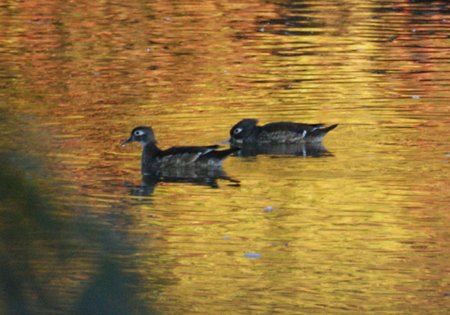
(143, 135)
(242, 130)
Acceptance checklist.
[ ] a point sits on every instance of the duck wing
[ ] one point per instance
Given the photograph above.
(190, 150)
(290, 132)
(178, 156)
(290, 127)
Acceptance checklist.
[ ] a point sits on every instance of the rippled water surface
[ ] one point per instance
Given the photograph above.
(359, 227)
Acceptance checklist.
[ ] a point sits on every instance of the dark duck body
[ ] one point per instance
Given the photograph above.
(155, 160)
(248, 132)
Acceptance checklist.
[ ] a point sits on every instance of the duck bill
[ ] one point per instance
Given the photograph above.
(130, 139)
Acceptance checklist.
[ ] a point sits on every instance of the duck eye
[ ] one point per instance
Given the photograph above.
(138, 133)
(237, 130)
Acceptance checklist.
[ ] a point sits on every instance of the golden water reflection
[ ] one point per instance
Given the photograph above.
(362, 228)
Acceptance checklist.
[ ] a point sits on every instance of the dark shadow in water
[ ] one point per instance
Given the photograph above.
(194, 176)
(48, 247)
(302, 149)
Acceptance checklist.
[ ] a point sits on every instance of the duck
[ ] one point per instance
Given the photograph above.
(247, 131)
(154, 159)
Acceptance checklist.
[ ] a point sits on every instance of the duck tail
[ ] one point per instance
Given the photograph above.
(319, 133)
(224, 153)
(329, 128)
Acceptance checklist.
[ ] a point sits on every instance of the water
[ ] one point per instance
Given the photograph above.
(361, 229)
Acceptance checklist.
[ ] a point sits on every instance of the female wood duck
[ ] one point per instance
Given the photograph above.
(247, 132)
(155, 159)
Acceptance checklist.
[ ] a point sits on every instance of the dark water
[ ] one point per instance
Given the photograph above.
(358, 226)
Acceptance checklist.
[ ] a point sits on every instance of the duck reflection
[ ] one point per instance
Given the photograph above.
(297, 149)
(194, 176)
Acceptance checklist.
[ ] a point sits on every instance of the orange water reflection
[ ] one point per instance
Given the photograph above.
(362, 229)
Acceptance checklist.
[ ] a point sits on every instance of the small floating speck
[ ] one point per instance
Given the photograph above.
(226, 238)
(268, 209)
(262, 29)
(415, 97)
(392, 38)
(252, 255)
